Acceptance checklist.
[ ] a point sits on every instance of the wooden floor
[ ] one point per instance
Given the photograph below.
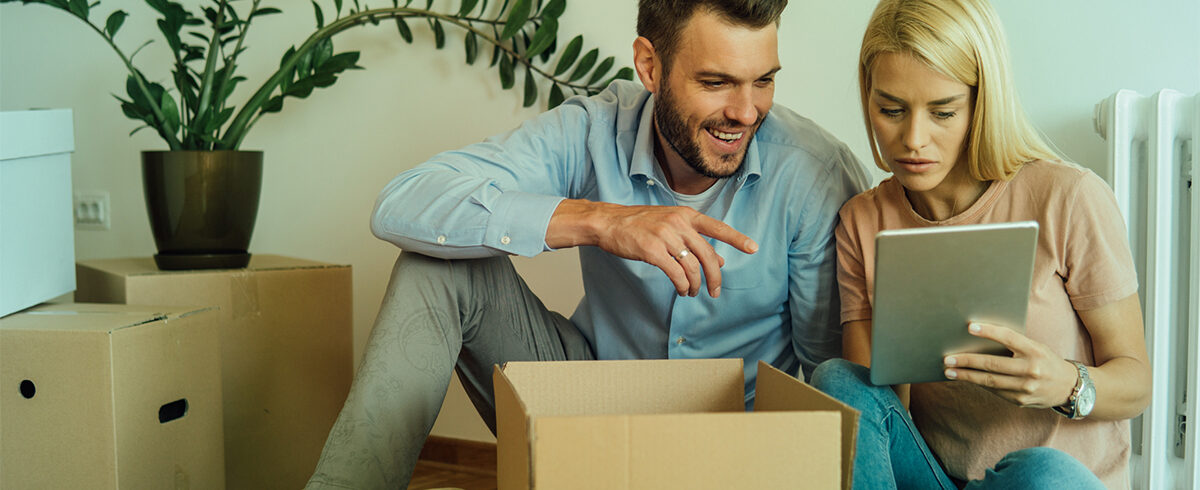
(455, 463)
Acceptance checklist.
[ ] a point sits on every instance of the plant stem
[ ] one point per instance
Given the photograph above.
(210, 65)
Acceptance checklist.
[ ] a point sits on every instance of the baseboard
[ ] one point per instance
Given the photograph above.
(463, 454)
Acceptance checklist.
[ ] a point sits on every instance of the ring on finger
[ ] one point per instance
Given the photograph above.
(682, 254)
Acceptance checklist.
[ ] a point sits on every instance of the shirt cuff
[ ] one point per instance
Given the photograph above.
(518, 225)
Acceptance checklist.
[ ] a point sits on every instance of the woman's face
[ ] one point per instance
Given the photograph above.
(921, 119)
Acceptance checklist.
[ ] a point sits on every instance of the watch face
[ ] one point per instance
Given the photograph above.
(1087, 399)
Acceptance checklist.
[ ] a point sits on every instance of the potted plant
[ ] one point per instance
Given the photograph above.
(202, 192)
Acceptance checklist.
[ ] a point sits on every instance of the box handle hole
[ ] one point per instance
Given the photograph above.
(171, 411)
(28, 389)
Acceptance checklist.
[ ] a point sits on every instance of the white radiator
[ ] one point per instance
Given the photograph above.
(1153, 150)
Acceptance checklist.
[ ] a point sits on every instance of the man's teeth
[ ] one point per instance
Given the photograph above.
(726, 136)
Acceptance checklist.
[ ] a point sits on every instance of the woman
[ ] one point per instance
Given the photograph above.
(943, 118)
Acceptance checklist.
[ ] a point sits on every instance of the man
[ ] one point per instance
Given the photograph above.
(693, 181)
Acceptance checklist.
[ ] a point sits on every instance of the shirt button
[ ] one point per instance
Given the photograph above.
(505, 240)
(650, 183)
(680, 341)
(441, 239)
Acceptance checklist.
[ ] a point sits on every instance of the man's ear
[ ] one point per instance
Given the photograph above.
(647, 64)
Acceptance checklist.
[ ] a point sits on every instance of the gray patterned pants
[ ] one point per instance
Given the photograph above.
(436, 315)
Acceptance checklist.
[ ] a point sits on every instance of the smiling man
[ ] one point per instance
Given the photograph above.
(704, 217)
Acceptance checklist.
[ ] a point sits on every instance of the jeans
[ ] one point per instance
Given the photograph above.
(437, 315)
(892, 454)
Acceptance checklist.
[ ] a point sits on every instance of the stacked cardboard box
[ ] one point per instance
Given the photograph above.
(286, 360)
(666, 424)
(106, 397)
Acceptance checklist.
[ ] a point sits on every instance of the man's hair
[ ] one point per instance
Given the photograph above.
(963, 40)
(662, 21)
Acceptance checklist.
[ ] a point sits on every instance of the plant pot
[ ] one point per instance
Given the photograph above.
(202, 206)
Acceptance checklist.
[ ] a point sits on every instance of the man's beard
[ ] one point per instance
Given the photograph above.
(676, 133)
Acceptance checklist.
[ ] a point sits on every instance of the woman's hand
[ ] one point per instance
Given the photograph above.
(1034, 377)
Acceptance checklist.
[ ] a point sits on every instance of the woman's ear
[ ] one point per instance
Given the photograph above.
(647, 64)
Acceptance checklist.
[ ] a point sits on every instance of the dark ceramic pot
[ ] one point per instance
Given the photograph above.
(202, 206)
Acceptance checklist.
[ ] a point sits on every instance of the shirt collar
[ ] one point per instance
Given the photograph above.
(644, 165)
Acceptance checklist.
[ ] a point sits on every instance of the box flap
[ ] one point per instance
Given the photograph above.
(35, 133)
(84, 317)
(144, 266)
(777, 391)
(697, 450)
(629, 387)
(512, 441)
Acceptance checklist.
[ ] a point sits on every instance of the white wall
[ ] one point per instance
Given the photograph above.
(327, 157)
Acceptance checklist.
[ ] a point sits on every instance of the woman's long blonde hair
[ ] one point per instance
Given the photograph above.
(963, 40)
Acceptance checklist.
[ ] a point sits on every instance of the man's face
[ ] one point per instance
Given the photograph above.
(719, 88)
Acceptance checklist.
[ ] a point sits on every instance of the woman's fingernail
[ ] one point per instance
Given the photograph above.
(974, 327)
(951, 361)
(717, 292)
(952, 374)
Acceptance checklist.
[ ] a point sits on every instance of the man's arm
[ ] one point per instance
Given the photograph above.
(490, 198)
(653, 234)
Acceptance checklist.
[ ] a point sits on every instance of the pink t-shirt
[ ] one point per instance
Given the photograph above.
(1083, 262)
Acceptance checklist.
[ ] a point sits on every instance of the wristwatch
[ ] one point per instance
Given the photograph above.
(1083, 397)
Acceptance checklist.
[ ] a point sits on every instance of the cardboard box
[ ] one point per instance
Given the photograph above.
(666, 424)
(286, 352)
(106, 397)
(37, 235)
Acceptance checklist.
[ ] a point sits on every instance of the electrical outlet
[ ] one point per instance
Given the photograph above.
(92, 210)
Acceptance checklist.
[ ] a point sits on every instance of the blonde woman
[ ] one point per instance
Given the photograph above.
(943, 118)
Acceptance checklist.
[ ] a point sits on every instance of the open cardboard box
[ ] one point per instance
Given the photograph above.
(662, 424)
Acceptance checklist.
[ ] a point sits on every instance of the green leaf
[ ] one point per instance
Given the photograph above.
(320, 16)
(545, 56)
(471, 44)
(556, 97)
(265, 11)
(516, 19)
(601, 70)
(530, 89)
(554, 9)
(274, 104)
(585, 65)
(170, 112)
(495, 55)
(405, 32)
(304, 65)
(322, 51)
(114, 22)
(337, 7)
(340, 62)
(622, 74)
(542, 38)
(439, 35)
(139, 128)
(79, 8)
(569, 55)
(467, 7)
(506, 71)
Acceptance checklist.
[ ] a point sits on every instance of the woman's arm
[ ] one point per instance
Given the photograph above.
(1036, 377)
(856, 348)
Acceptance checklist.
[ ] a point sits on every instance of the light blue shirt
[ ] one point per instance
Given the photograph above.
(779, 305)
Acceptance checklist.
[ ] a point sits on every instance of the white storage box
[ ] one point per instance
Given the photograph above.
(37, 240)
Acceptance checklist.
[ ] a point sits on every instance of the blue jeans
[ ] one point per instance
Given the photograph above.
(892, 454)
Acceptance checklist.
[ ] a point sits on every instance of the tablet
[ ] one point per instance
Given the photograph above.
(931, 282)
